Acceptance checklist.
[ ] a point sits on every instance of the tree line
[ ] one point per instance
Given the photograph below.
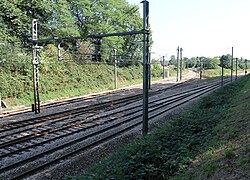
(62, 18)
(68, 18)
(210, 63)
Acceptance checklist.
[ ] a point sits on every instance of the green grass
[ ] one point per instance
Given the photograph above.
(217, 72)
(230, 142)
(229, 153)
(247, 148)
(190, 146)
(242, 161)
(67, 80)
(209, 167)
(59, 81)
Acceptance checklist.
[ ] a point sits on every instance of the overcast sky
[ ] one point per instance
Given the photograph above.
(201, 27)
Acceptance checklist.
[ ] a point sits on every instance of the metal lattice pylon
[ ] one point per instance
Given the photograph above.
(36, 105)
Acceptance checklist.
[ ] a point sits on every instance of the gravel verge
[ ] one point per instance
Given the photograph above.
(81, 162)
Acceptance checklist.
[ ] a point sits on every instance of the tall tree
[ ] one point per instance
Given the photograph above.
(172, 59)
(108, 16)
(17, 15)
(227, 61)
(62, 23)
(63, 18)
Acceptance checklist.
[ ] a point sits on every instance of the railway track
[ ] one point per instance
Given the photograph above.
(76, 100)
(26, 150)
(23, 126)
(26, 128)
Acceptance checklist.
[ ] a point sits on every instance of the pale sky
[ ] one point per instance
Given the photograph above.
(201, 27)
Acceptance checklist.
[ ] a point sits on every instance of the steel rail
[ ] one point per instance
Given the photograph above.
(78, 99)
(81, 109)
(76, 123)
(57, 120)
(112, 126)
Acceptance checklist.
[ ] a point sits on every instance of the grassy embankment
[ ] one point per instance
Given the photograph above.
(217, 72)
(67, 80)
(208, 141)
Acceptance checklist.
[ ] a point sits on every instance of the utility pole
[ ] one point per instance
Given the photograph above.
(59, 51)
(163, 67)
(115, 69)
(145, 65)
(181, 64)
(59, 54)
(197, 63)
(236, 69)
(149, 72)
(232, 62)
(245, 66)
(222, 70)
(178, 53)
(36, 105)
(241, 60)
(200, 68)
(97, 55)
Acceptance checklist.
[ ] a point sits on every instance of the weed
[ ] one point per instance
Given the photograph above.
(209, 167)
(209, 153)
(229, 153)
(241, 161)
(247, 148)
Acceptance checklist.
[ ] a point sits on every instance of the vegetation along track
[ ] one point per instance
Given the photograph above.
(25, 156)
(32, 125)
(85, 105)
(87, 98)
